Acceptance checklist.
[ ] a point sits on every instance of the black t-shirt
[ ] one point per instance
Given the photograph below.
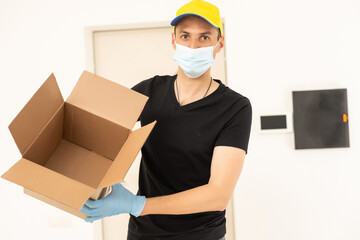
(177, 154)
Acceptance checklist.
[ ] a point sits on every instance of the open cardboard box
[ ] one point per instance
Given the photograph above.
(73, 149)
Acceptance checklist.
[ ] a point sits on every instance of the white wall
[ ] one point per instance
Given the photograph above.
(273, 47)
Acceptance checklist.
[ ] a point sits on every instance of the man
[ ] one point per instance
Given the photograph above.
(193, 158)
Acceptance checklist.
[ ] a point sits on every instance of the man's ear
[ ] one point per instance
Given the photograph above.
(173, 40)
(221, 44)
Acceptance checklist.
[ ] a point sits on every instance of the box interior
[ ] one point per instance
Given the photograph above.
(78, 144)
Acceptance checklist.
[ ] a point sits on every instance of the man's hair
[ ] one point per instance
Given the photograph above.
(219, 33)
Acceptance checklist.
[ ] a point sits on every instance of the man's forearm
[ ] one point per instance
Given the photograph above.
(200, 199)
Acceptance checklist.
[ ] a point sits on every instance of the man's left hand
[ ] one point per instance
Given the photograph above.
(120, 200)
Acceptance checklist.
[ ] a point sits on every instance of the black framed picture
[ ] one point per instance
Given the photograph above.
(321, 119)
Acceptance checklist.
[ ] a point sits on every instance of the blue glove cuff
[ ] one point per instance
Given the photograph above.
(138, 205)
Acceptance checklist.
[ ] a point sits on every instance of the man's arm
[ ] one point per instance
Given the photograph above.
(226, 167)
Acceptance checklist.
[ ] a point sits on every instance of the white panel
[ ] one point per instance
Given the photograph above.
(129, 56)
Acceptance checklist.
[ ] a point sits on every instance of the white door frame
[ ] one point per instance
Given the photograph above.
(89, 32)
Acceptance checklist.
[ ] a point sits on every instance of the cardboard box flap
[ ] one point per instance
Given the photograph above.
(126, 156)
(108, 99)
(49, 183)
(36, 113)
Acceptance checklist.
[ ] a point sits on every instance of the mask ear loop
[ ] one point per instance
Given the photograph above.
(216, 44)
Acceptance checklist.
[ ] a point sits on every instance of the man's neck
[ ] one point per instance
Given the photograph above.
(192, 87)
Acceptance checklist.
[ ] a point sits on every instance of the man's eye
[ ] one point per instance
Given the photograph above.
(184, 36)
(205, 37)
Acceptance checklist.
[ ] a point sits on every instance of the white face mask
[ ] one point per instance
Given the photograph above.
(194, 61)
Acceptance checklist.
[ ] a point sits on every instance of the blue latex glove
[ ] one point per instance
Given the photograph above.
(120, 200)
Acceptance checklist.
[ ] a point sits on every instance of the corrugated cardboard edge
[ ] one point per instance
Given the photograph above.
(49, 183)
(127, 155)
(54, 203)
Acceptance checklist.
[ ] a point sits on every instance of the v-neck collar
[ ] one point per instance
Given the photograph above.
(196, 103)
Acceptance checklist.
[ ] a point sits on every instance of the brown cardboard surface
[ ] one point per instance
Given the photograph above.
(36, 113)
(107, 99)
(78, 163)
(126, 156)
(55, 203)
(75, 148)
(49, 183)
(47, 141)
(93, 132)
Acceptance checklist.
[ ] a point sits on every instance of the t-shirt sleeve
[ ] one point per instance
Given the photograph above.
(236, 131)
(143, 88)
(139, 87)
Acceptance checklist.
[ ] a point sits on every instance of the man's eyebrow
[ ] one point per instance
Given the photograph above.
(203, 33)
(182, 31)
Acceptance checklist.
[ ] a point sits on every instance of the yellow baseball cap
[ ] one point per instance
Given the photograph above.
(200, 8)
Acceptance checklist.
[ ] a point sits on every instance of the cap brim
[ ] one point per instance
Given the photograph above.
(178, 18)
